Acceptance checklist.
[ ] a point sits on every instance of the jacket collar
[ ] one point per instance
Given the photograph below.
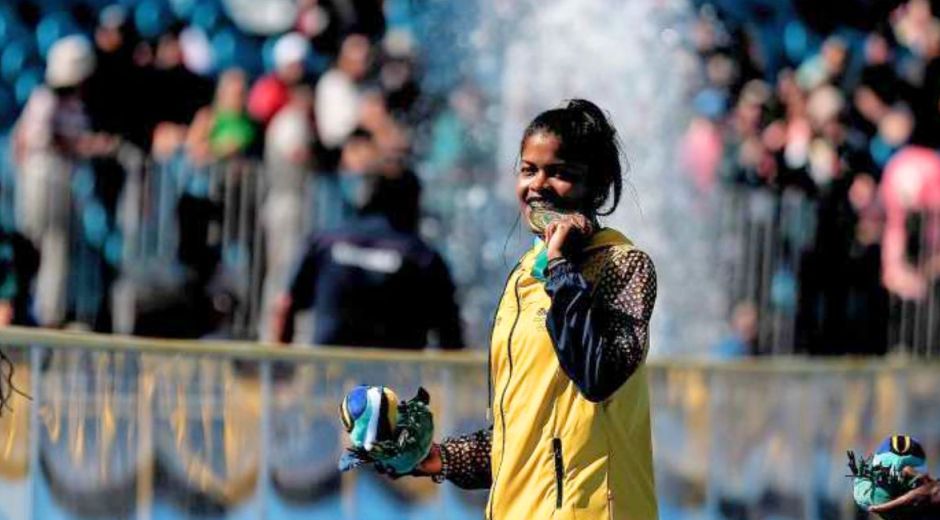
(607, 237)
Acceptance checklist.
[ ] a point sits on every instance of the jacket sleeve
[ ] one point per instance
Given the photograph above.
(466, 459)
(600, 335)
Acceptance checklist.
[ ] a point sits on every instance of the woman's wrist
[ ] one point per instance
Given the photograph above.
(554, 263)
(434, 465)
(441, 475)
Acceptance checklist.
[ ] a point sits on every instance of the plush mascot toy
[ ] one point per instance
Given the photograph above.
(879, 478)
(393, 435)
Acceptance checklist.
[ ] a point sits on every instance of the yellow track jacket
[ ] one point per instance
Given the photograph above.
(556, 454)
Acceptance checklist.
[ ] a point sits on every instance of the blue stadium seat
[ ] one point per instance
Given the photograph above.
(152, 17)
(183, 9)
(17, 55)
(51, 6)
(98, 5)
(12, 30)
(796, 41)
(267, 52)
(223, 48)
(7, 23)
(248, 53)
(24, 85)
(207, 15)
(232, 49)
(8, 106)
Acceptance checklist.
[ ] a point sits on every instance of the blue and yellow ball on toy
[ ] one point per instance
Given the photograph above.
(369, 414)
(385, 431)
(880, 477)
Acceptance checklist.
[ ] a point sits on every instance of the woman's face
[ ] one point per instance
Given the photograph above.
(546, 179)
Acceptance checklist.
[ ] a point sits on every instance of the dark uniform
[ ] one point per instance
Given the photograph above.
(373, 285)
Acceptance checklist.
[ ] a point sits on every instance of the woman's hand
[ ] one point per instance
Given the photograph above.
(430, 466)
(922, 501)
(565, 235)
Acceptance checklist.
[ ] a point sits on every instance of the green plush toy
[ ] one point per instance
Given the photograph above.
(879, 478)
(390, 434)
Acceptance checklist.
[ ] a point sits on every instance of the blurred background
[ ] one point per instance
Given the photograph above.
(165, 166)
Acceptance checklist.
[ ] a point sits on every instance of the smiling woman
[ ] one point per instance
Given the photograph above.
(571, 432)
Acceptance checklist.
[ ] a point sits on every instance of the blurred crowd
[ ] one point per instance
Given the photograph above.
(843, 116)
(331, 95)
(823, 127)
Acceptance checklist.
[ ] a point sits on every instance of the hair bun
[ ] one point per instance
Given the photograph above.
(595, 117)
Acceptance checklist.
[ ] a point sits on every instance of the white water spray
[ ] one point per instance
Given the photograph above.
(628, 57)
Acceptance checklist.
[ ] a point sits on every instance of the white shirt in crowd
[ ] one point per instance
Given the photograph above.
(337, 108)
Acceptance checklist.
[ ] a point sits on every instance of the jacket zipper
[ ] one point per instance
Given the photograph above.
(489, 348)
(559, 472)
(502, 397)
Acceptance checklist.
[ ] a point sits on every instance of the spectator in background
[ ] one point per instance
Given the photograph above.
(910, 192)
(273, 91)
(827, 67)
(391, 137)
(174, 94)
(374, 282)
(911, 185)
(700, 152)
(54, 131)
(820, 140)
(339, 194)
(115, 87)
(339, 91)
(222, 130)
(19, 262)
(190, 297)
(114, 107)
(915, 26)
(397, 74)
(289, 159)
(328, 22)
(743, 338)
(879, 75)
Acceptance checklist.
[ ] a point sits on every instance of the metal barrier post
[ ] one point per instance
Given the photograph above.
(145, 446)
(35, 434)
(932, 268)
(257, 256)
(263, 484)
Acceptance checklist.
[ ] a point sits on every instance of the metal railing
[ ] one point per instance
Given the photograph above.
(176, 213)
(123, 427)
(763, 237)
(172, 213)
(816, 281)
(915, 318)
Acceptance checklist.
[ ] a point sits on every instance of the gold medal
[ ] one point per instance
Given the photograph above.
(541, 216)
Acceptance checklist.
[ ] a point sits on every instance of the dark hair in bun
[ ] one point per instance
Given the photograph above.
(587, 137)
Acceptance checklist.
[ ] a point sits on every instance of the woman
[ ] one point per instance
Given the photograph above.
(222, 130)
(571, 432)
